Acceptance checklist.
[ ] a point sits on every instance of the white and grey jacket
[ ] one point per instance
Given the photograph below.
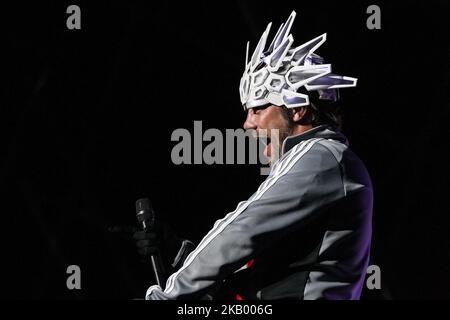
(306, 230)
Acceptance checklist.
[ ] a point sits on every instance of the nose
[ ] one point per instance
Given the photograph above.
(250, 122)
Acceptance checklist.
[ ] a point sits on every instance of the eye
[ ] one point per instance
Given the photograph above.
(258, 110)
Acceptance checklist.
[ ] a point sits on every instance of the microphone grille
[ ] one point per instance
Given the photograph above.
(143, 205)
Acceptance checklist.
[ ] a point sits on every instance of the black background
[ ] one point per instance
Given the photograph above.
(87, 117)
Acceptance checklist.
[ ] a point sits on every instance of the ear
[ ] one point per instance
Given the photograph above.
(298, 113)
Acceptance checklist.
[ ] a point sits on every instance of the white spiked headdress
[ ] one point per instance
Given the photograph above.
(274, 76)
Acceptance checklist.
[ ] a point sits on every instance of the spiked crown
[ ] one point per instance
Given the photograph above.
(276, 75)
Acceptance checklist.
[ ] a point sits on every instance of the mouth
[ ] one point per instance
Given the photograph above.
(268, 148)
(265, 138)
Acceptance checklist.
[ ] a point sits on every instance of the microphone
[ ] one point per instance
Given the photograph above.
(146, 217)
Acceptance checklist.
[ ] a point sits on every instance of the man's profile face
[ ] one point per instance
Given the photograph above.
(265, 119)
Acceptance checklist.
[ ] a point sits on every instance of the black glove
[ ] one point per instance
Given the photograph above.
(147, 243)
(161, 238)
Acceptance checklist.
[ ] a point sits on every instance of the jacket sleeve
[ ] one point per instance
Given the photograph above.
(303, 182)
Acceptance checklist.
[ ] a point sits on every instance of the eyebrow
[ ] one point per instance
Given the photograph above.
(262, 107)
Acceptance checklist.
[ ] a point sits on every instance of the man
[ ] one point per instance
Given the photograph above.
(305, 233)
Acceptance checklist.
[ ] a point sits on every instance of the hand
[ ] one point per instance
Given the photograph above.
(148, 243)
(161, 237)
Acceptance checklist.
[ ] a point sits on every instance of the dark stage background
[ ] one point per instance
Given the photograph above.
(87, 117)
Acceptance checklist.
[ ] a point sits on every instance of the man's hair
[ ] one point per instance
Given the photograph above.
(326, 112)
(319, 112)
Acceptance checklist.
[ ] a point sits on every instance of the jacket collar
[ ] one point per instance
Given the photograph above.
(322, 131)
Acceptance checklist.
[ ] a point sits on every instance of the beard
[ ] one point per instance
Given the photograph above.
(277, 136)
